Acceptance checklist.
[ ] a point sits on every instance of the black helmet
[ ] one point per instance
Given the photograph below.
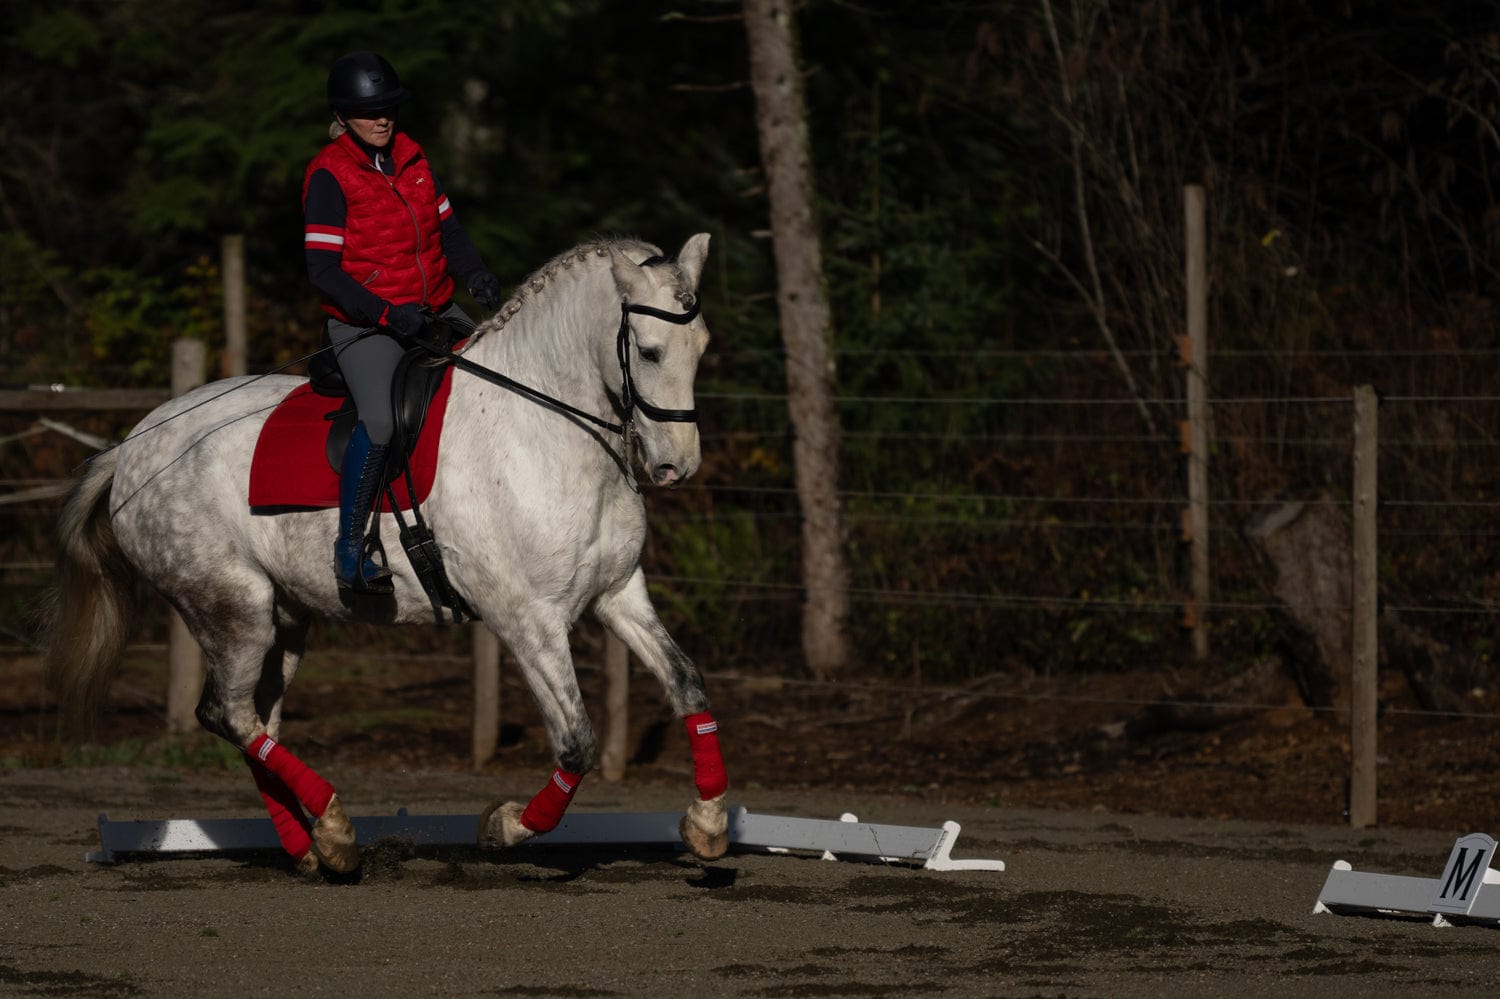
(363, 81)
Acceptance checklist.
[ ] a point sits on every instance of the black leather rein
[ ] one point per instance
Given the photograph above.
(630, 396)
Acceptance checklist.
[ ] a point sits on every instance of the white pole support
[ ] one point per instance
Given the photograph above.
(1468, 890)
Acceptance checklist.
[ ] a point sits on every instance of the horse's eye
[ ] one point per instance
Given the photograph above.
(651, 355)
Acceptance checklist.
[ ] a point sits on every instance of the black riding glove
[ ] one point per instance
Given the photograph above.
(406, 319)
(485, 288)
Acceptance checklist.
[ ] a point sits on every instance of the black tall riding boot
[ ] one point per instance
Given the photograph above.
(360, 479)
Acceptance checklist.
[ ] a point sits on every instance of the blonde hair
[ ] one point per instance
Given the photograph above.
(336, 128)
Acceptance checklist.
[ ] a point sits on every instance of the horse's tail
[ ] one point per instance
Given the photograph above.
(88, 617)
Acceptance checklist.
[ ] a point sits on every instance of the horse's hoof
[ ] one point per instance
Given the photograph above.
(500, 826)
(333, 839)
(705, 829)
(307, 864)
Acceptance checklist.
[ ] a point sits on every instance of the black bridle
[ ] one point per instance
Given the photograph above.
(630, 395)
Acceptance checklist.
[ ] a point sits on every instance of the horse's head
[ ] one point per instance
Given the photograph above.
(661, 339)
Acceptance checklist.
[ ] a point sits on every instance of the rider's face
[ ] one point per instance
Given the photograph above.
(374, 128)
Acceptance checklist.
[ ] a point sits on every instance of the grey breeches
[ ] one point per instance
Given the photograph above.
(368, 364)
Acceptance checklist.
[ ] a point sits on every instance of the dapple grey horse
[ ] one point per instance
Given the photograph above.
(537, 511)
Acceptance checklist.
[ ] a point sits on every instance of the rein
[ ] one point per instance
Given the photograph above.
(630, 395)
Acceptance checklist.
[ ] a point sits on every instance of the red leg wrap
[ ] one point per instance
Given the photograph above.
(313, 791)
(708, 763)
(286, 814)
(546, 810)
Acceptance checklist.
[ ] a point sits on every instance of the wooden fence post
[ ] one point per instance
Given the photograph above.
(184, 657)
(616, 707)
(1194, 351)
(1363, 684)
(232, 268)
(486, 653)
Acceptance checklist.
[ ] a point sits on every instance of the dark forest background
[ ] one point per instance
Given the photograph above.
(1000, 199)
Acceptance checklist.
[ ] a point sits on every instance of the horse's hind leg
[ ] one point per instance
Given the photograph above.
(541, 649)
(252, 652)
(280, 663)
(629, 614)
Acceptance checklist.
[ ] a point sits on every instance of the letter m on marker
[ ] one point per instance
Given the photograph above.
(1459, 880)
(1464, 874)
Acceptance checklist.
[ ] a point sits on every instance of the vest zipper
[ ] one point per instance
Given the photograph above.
(416, 225)
(417, 228)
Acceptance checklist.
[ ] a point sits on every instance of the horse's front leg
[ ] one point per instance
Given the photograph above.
(629, 614)
(540, 646)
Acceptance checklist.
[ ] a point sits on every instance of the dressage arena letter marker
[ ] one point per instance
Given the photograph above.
(932, 849)
(1469, 888)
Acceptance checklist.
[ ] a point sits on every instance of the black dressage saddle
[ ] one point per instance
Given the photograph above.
(418, 376)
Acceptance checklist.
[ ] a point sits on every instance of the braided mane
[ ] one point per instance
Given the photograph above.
(548, 273)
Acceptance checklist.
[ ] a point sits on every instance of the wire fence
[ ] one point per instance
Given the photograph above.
(1011, 532)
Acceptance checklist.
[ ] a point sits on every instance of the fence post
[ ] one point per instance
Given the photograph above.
(616, 707)
(184, 657)
(1363, 682)
(232, 268)
(1194, 356)
(486, 654)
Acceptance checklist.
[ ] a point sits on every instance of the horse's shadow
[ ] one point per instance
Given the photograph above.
(562, 865)
(386, 861)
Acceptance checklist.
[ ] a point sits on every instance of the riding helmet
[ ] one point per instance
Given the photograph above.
(363, 81)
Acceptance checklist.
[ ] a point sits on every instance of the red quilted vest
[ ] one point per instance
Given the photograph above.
(393, 242)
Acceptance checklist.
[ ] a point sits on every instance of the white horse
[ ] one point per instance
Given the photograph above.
(537, 513)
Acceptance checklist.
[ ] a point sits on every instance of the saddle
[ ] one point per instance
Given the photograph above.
(287, 472)
(418, 376)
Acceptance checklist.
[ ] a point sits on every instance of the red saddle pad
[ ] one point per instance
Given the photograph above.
(290, 467)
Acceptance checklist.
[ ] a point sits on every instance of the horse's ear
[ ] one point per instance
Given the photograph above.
(631, 281)
(691, 257)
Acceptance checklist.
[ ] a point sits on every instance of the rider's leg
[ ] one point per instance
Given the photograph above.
(367, 363)
(360, 479)
(368, 360)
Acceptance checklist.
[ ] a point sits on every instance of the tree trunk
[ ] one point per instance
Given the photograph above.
(1309, 546)
(806, 328)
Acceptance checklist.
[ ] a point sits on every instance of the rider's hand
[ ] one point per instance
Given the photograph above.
(404, 319)
(485, 288)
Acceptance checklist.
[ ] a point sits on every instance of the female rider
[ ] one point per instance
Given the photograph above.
(382, 246)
